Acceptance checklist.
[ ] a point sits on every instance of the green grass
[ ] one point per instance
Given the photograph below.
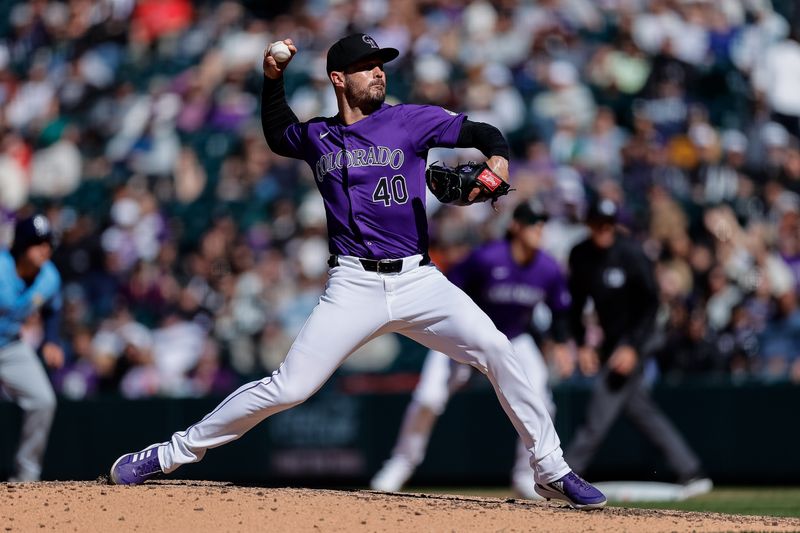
(766, 501)
(762, 501)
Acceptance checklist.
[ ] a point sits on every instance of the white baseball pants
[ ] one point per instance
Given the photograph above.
(357, 306)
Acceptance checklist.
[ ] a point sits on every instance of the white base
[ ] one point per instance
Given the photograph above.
(650, 491)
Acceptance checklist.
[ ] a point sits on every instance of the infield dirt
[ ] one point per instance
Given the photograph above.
(198, 507)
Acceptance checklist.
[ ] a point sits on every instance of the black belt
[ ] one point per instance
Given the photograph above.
(381, 266)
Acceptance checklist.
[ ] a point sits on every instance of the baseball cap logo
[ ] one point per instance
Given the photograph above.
(607, 207)
(370, 41)
(41, 225)
(355, 47)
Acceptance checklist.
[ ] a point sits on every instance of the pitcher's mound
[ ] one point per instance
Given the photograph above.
(197, 507)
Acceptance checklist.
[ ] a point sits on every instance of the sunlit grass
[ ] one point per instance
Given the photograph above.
(763, 501)
(767, 501)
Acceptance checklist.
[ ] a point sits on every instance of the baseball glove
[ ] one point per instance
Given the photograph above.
(453, 185)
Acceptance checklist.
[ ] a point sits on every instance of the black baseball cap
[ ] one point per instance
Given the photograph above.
(356, 47)
(601, 211)
(529, 213)
(31, 232)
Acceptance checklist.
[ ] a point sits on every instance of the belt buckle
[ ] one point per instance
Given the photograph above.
(388, 263)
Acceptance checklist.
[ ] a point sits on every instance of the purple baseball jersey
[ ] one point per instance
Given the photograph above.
(507, 291)
(371, 175)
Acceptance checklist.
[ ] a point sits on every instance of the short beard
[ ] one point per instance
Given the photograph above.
(364, 99)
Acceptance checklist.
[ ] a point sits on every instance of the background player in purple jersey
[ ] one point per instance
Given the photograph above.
(508, 279)
(369, 163)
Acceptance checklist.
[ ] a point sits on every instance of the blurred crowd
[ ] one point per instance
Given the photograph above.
(191, 255)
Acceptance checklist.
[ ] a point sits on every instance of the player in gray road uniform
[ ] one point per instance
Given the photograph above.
(369, 163)
(29, 283)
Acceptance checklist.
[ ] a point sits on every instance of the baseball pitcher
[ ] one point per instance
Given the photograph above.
(369, 163)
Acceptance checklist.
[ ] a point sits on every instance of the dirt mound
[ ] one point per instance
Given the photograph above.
(177, 506)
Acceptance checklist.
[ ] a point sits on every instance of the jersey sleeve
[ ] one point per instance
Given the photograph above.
(294, 139)
(431, 126)
(50, 286)
(7, 296)
(44, 289)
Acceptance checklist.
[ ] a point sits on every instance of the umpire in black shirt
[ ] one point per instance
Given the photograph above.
(614, 272)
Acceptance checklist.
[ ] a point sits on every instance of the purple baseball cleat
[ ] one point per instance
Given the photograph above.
(136, 468)
(574, 490)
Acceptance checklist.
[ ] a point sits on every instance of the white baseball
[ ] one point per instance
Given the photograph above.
(280, 51)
